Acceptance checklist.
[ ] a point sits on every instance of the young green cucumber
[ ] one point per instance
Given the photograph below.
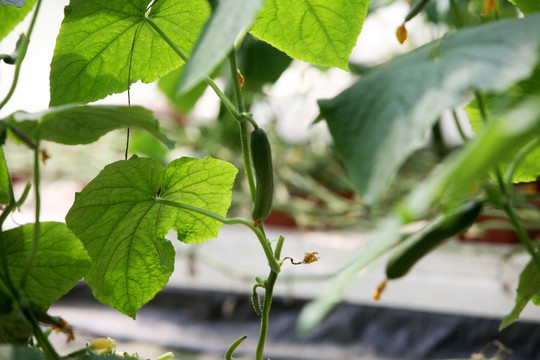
(430, 236)
(262, 165)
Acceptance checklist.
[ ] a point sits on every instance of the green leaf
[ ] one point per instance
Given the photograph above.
(106, 45)
(60, 261)
(4, 178)
(382, 239)
(74, 124)
(11, 16)
(527, 6)
(10, 352)
(383, 118)
(317, 31)
(122, 225)
(230, 20)
(528, 287)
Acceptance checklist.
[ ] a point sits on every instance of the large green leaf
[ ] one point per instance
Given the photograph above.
(105, 45)
(231, 19)
(60, 261)
(527, 6)
(11, 16)
(317, 31)
(121, 223)
(74, 124)
(528, 287)
(378, 122)
(452, 183)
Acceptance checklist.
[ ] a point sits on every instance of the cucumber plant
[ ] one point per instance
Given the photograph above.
(114, 235)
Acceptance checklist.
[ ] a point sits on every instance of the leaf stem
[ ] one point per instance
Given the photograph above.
(37, 200)
(458, 126)
(274, 264)
(21, 55)
(520, 230)
(244, 138)
(6, 278)
(224, 98)
(229, 353)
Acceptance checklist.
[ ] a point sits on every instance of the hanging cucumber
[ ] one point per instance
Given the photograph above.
(430, 236)
(262, 165)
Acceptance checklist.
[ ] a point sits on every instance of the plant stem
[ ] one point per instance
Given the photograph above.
(272, 262)
(48, 350)
(504, 188)
(22, 54)
(37, 200)
(516, 223)
(269, 291)
(224, 98)
(244, 138)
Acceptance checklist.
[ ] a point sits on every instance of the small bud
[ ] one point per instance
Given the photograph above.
(401, 33)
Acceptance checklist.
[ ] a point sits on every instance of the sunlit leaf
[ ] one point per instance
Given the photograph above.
(74, 124)
(106, 45)
(60, 261)
(316, 31)
(123, 226)
(11, 15)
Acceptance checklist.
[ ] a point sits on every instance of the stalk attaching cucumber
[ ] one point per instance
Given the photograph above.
(430, 236)
(262, 164)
